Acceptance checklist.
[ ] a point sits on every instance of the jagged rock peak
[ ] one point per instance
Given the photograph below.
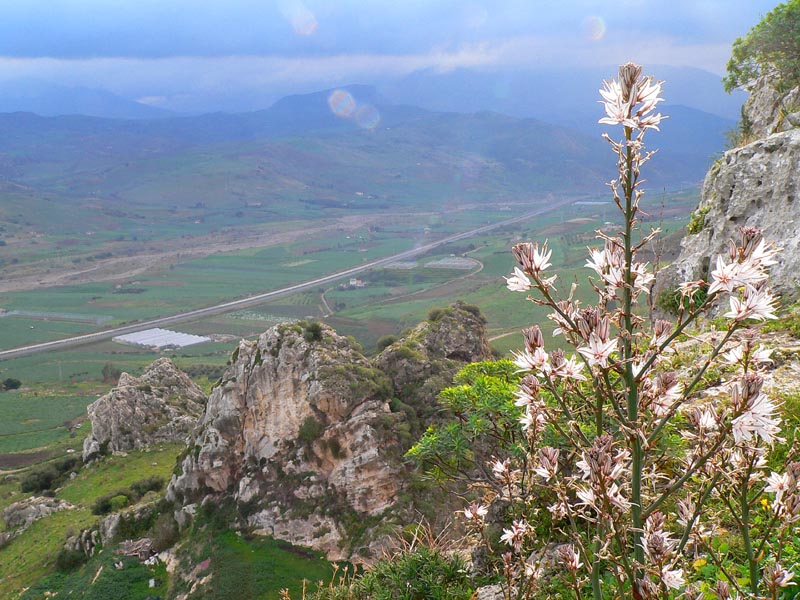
(755, 185)
(300, 435)
(163, 405)
(424, 360)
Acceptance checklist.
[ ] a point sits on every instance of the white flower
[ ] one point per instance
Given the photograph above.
(778, 483)
(597, 352)
(757, 304)
(516, 535)
(673, 579)
(531, 361)
(572, 369)
(629, 101)
(518, 282)
(476, 512)
(759, 420)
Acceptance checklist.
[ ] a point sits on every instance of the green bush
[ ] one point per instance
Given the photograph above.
(67, 560)
(310, 430)
(119, 502)
(698, 220)
(385, 341)
(11, 384)
(154, 483)
(312, 331)
(40, 479)
(418, 574)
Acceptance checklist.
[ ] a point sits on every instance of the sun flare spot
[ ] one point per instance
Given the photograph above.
(594, 28)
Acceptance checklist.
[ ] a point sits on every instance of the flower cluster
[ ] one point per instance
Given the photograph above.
(639, 472)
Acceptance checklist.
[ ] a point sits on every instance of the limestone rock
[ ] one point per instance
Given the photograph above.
(163, 405)
(424, 361)
(21, 514)
(300, 435)
(771, 111)
(755, 185)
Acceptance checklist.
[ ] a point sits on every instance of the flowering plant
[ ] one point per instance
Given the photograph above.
(648, 483)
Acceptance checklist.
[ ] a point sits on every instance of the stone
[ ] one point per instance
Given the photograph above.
(22, 514)
(163, 405)
(756, 185)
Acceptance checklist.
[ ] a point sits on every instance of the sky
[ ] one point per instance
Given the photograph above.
(196, 54)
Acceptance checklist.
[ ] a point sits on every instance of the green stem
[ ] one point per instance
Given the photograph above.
(748, 544)
(627, 350)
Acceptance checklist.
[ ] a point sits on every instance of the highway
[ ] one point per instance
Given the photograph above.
(234, 305)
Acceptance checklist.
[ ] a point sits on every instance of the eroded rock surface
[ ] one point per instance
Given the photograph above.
(22, 514)
(756, 185)
(301, 437)
(163, 405)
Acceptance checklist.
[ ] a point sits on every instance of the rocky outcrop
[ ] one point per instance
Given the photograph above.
(300, 436)
(23, 513)
(424, 360)
(768, 110)
(163, 405)
(755, 185)
(20, 515)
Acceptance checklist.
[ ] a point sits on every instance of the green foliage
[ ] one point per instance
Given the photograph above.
(118, 502)
(119, 499)
(435, 314)
(421, 573)
(312, 331)
(154, 483)
(310, 430)
(10, 384)
(670, 300)
(484, 421)
(698, 220)
(385, 341)
(47, 476)
(68, 559)
(771, 48)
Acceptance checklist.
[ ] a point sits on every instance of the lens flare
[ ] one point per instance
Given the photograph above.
(594, 28)
(342, 104)
(367, 116)
(300, 18)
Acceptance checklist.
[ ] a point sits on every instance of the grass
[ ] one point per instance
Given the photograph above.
(258, 568)
(115, 472)
(100, 580)
(31, 556)
(29, 420)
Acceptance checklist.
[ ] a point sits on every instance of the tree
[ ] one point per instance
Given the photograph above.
(771, 48)
(11, 384)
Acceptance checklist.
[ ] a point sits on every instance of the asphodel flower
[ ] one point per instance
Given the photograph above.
(630, 100)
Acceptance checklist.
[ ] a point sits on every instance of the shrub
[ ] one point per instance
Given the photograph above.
(154, 483)
(11, 384)
(118, 502)
(68, 559)
(40, 479)
(312, 331)
(385, 341)
(310, 430)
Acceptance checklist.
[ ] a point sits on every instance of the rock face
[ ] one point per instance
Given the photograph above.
(300, 436)
(305, 435)
(163, 405)
(423, 361)
(755, 185)
(769, 111)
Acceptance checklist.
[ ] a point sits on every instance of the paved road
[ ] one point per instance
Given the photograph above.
(260, 298)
